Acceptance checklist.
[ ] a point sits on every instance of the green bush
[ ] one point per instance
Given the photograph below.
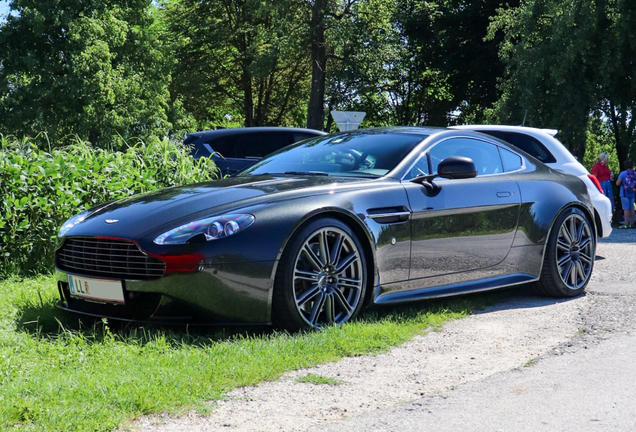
(41, 189)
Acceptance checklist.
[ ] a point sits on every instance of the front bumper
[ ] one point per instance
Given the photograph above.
(223, 294)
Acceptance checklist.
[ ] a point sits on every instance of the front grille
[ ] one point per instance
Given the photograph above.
(115, 259)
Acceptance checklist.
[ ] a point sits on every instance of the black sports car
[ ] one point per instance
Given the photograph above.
(311, 234)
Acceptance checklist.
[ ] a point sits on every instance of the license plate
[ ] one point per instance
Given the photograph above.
(96, 289)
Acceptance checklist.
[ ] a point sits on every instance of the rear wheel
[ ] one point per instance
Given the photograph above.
(321, 279)
(569, 258)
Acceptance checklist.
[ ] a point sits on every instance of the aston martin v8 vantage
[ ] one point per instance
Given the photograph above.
(312, 234)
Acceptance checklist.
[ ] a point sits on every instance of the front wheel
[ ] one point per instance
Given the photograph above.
(321, 279)
(569, 257)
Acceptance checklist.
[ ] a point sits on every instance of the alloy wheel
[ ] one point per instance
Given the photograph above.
(575, 251)
(328, 278)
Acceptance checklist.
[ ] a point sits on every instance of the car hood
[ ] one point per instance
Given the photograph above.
(133, 216)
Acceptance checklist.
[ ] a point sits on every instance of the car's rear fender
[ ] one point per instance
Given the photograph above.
(579, 206)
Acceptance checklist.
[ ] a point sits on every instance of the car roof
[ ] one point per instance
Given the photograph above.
(545, 136)
(522, 129)
(415, 130)
(255, 129)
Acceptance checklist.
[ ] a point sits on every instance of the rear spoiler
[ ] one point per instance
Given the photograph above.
(551, 132)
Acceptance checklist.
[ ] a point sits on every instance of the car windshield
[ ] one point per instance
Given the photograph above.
(371, 154)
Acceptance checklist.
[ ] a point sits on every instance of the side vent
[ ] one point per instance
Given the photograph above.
(389, 215)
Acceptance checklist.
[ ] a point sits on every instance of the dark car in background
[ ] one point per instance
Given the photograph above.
(235, 149)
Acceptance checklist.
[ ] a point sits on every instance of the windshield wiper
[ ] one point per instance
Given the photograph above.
(308, 173)
(311, 173)
(361, 174)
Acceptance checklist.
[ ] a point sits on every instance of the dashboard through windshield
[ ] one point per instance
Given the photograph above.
(362, 154)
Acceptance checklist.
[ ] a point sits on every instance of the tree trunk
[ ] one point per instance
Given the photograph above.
(248, 99)
(316, 110)
(92, 136)
(622, 145)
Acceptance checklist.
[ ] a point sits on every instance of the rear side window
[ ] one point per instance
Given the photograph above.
(199, 150)
(225, 145)
(299, 136)
(258, 145)
(511, 161)
(528, 144)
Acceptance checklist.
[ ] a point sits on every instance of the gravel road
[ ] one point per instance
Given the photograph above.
(518, 336)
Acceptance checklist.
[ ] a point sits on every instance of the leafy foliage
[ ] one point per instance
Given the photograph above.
(41, 189)
(456, 70)
(415, 63)
(600, 139)
(108, 71)
(567, 59)
(240, 59)
(96, 69)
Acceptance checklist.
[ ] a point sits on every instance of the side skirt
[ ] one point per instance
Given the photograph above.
(455, 289)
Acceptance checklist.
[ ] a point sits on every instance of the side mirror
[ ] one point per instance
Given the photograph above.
(457, 167)
(452, 167)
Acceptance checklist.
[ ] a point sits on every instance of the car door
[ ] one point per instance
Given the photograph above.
(470, 224)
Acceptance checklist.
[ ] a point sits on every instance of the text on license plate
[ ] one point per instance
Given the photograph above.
(96, 289)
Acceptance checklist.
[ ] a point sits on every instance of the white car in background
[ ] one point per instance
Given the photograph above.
(542, 144)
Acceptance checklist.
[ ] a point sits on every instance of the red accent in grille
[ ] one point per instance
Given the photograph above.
(180, 263)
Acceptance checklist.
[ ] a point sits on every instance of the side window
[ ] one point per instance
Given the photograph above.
(528, 144)
(511, 161)
(485, 155)
(299, 136)
(224, 145)
(199, 150)
(420, 168)
(260, 144)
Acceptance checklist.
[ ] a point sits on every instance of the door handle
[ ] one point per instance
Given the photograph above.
(504, 194)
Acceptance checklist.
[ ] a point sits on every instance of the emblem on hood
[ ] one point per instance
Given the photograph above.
(112, 221)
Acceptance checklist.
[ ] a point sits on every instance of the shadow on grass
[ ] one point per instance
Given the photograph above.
(48, 321)
(45, 320)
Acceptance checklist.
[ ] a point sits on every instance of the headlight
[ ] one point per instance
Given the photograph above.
(206, 229)
(72, 222)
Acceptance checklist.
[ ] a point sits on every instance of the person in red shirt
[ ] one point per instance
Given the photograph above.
(601, 171)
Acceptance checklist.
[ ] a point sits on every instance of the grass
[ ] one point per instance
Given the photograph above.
(58, 373)
(317, 380)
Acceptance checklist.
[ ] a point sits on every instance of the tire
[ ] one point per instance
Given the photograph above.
(321, 279)
(569, 258)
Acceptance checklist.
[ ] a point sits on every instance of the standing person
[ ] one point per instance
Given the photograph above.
(627, 182)
(601, 171)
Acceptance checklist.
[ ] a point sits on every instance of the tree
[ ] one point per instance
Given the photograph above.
(448, 43)
(414, 62)
(315, 109)
(240, 59)
(91, 68)
(324, 14)
(566, 59)
(364, 59)
(617, 82)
